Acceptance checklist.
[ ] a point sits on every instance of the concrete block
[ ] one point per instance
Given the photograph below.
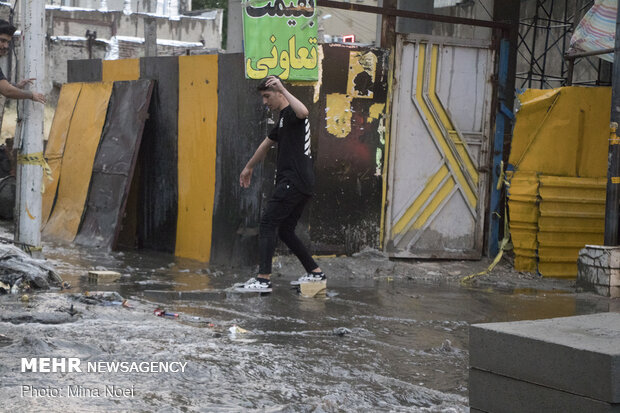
(579, 355)
(492, 393)
(95, 277)
(601, 256)
(598, 270)
(313, 289)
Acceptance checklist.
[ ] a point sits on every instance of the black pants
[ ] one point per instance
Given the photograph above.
(282, 213)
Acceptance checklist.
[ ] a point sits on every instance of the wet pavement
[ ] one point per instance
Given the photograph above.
(387, 336)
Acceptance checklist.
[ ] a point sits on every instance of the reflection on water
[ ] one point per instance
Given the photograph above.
(369, 345)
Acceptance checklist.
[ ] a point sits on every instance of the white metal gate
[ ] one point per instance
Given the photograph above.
(438, 160)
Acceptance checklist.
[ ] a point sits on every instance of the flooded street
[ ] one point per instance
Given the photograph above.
(376, 342)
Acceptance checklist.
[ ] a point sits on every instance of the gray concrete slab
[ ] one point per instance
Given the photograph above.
(492, 393)
(579, 355)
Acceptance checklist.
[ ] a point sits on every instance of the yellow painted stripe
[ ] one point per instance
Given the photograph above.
(77, 164)
(123, 69)
(198, 105)
(445, 119)
(469, 194)
(434, 204)
(424, 196)
(56, 141)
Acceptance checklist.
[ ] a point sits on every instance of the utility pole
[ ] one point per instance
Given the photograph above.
(612, 205)
(30, 145)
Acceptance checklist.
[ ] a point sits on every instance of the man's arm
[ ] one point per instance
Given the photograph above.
(259, 155)
(301, 111)
(12, 92)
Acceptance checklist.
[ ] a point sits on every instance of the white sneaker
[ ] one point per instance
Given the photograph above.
(254, 285)
(310, 277)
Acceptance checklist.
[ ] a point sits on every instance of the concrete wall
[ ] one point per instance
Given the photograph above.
(140, 6)
(66, 31)
(62, 50)
(67, 22)
(481, 10)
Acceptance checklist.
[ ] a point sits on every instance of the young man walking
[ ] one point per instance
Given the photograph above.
(7, 89)
(294, 184)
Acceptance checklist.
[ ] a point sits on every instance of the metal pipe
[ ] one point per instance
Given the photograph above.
(569, 72)
(547, 33)
(412, 14)
(612, 205)
(573, 56)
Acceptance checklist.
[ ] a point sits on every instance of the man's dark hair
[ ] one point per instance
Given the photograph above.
(262, 86)
(7, 28)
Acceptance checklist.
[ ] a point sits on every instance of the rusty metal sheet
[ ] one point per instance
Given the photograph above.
(79, 155)
(158, 199)
(348, 133)
(114, 163)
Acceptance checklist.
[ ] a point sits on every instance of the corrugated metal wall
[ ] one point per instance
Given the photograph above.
(572, 214)
(524, 213)
(557, 187)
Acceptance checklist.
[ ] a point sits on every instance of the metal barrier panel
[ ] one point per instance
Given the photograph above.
(79, 154)
(439, 150)
(241, 127)
(158, 198)
(349, 140)
(114, 163)
(572, 215)
(197, 144)
(559, 155)
(86, 70)
(123, 69)
(524, 213)
(56, 142)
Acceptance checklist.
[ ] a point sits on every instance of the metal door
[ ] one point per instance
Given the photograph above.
(438, 160)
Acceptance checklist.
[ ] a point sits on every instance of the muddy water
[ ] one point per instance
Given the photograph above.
(369, 345)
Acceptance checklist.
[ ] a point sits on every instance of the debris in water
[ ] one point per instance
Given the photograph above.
(236, 329)
(20, 270)
(341, 331)
(159, 312)
(107, 298)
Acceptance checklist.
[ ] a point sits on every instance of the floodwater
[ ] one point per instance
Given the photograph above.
(371, 345)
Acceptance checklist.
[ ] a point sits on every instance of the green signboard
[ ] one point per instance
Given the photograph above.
(280, 38)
